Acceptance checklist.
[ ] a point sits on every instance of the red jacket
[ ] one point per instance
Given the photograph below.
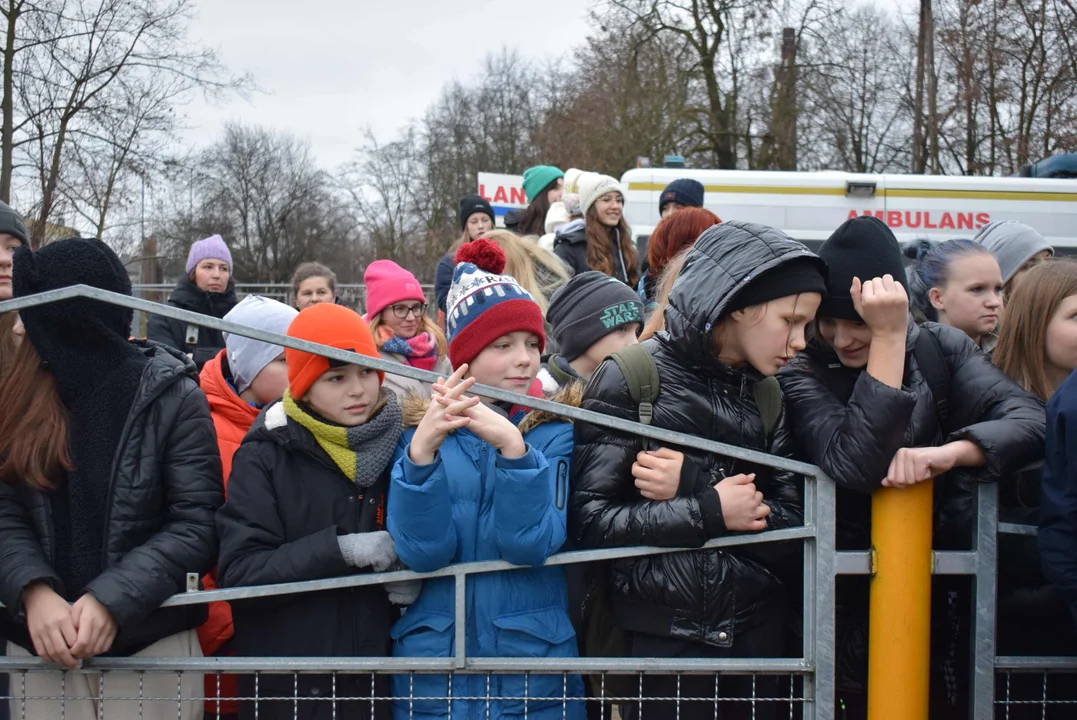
(232, 418)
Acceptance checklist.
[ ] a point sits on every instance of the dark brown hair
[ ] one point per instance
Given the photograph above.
(533, 221)
(33, 427)
(1021, 352)
(600, 251)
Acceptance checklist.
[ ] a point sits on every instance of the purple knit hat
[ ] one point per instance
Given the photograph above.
(212, 248)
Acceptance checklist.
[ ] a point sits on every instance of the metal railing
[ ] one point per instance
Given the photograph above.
(806, 682)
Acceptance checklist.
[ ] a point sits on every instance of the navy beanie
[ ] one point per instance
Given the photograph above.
(685, 191)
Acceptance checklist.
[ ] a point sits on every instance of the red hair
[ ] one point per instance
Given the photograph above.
(675, 233)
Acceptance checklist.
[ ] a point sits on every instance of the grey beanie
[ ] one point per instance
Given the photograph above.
(1013, 244)
(589, 307)
(11, 223)
(248, 357)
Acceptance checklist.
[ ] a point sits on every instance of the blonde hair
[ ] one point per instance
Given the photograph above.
(427, 325)
(657, 321)
(537, 270)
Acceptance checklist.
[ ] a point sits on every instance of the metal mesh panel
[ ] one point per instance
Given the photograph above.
(1035, 695)
(147, 695)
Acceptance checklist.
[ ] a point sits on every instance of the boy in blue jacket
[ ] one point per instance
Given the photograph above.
(485, 481)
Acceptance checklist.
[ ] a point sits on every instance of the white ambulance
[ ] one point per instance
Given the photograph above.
(810, 205)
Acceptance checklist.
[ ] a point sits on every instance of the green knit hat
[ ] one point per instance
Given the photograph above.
(537, 178)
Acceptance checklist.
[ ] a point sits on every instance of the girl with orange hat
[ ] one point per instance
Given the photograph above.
(306, 500)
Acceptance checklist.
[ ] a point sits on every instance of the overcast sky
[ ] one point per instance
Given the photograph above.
(330, 67)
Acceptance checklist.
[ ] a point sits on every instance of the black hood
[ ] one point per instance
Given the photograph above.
(722, 262)
(188, 296)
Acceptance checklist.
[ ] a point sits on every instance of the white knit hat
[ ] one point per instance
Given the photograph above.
(572, 179)
(594, 186)
(556, 216)
(248, 357)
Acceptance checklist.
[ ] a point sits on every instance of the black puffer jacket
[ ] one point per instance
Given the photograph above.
(173, 333)
(707, 597)
(570, 244)
(287, 503)
(851, 425)
(164, 492)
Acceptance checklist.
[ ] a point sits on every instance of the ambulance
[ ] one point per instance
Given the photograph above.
(809, 205)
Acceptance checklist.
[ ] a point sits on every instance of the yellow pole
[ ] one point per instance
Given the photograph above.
(900, 632)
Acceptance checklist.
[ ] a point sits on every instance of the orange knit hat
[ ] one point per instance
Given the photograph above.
(326, 324)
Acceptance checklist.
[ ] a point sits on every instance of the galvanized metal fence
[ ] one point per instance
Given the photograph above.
(800, 687)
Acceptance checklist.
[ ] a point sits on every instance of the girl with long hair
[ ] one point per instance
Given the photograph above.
(109, 482)
(402, 329)
(543, 186)
(601, 240)
(1036, 346)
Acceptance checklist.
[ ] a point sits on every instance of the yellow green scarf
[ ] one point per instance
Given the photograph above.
(362, 453)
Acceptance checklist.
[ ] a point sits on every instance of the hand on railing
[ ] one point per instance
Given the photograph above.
(374, 550)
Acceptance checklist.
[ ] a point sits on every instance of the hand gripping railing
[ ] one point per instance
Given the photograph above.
(819, 558)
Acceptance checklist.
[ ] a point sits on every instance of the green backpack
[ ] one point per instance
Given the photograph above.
(603, 638)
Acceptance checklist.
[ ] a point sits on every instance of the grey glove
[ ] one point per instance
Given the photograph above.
(404, 592)
(374, 550)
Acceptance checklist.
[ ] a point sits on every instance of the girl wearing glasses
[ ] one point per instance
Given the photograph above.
(403, 332)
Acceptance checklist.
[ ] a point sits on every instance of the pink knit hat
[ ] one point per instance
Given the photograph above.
(387, 284)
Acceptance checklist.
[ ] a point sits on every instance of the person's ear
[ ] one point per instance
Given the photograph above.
(934, 296)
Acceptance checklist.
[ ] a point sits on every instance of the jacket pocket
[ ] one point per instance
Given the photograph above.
(422, 634)
(537, 634)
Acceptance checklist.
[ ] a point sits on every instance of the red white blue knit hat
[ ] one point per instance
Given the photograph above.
(484, 305)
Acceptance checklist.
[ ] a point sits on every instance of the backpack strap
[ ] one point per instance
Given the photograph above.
(641, 376)
(936, 372)
(768, 398)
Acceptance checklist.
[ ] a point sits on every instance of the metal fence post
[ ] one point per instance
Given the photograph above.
(821, 652)
(983, 653)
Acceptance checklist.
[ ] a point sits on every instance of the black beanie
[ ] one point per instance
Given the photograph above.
(862, 247)
(471, 204)
(801, 275)
(685, 191)
(589, 307)
(11, 223)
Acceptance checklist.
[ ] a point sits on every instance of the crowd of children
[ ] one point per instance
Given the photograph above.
(127, 464)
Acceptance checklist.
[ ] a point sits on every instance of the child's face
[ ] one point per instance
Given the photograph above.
(620, 338)
(510, 363)
(271, 383)
(346, 395)
(767, 336)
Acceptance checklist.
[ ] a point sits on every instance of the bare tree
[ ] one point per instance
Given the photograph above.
(71, 55)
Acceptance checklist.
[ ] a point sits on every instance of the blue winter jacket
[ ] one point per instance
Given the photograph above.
(500, 509)
(1058, 493)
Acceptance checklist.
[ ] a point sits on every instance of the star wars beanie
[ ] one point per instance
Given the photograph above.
(589, 307)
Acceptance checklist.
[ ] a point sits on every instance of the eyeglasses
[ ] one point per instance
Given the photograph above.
(402, 311)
